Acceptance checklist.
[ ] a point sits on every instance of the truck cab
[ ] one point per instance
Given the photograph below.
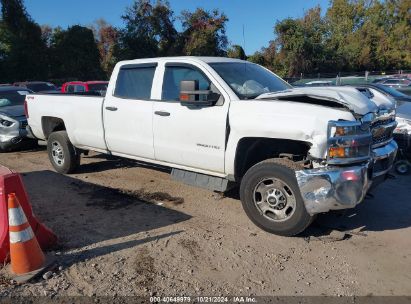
(220, 122)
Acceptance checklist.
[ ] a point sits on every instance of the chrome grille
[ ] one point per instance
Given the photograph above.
(382, 130)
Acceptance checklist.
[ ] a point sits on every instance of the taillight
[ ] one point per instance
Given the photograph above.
(26, 111)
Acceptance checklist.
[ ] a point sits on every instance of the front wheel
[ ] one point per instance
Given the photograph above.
(271, 197)
(402, 167)
(64, 157)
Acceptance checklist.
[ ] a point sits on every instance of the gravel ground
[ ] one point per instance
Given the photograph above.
(126, 229)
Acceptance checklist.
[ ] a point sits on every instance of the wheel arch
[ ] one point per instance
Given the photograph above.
(252, 150)
(51, 124)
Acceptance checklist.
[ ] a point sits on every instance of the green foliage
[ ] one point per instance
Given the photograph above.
(74, 54)
(106, 37)
(204, 33)
(22, 48)
(258, 58)
(354, 35)
(149, 31)
(236, 51)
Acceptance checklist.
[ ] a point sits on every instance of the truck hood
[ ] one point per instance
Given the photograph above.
(12, 111)
(346, 97)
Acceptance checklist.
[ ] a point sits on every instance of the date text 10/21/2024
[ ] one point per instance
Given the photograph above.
(203, 299)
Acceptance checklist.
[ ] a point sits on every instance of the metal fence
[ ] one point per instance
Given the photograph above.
(338, 78)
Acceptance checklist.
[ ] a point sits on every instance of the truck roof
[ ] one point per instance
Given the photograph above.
(192, 58)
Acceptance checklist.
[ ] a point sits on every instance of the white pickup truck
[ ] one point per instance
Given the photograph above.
(218, 122)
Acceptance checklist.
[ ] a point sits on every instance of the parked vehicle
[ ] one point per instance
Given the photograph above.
(402, 136)
(87, 86)
(319, 83)
(13, 121)
(391, 92)
(37, 86)
(396, 82)
(402, 164)
(218, 122)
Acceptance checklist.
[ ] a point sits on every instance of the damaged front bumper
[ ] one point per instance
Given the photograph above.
(332, 188)
(12, 137)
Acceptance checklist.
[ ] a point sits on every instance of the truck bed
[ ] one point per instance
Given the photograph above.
(80, 113)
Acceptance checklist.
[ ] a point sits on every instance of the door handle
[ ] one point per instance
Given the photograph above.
(162, 113)
(111, 108)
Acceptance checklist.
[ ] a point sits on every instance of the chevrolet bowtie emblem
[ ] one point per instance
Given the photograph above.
(379, 131)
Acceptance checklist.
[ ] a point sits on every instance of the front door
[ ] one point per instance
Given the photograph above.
(189, 136)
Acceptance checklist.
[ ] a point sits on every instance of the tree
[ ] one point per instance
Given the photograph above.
(46, 34)
(204, 33)
(300, 43)
(236, 51)
(75, 54)
(398, 34)
(354, 35)
(149, 31)
(343, 19)
(107, 39)
(258, 58)
(22, 48)
(167, 35)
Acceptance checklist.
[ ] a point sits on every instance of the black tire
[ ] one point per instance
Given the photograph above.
(283, 170)
(70, 156)
(402, 167)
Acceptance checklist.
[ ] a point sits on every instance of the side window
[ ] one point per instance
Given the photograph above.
(79, 88)
(174, 74)
(70, 88)
(135, 82)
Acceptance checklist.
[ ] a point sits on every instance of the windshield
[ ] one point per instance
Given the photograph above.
(390, 91)
(97, 86)
(12, 98)
(38, 87)
(249, 80)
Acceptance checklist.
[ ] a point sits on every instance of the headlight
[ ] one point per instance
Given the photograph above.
(348, 142)
(6, 123)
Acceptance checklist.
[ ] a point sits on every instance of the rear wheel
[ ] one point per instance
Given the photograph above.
(64, 157)
(271, 197)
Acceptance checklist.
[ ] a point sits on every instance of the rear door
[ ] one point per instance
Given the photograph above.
(189, 136)
(128, 111)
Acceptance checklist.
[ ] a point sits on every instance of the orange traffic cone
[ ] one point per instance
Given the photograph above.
(25, 252)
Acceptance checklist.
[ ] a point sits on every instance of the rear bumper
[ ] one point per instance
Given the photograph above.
(333, 188)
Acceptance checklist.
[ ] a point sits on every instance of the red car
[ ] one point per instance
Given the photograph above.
(84, 86)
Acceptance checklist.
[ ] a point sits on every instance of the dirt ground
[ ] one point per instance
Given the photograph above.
(126, 229)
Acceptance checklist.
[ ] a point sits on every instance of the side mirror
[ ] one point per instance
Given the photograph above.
(190, 95)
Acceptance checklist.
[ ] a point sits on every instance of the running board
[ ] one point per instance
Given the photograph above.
(201, 180)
